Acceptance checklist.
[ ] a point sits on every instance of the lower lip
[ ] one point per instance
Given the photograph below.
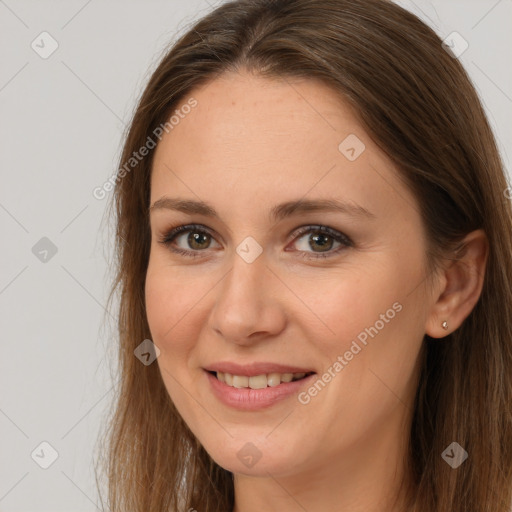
(253, 399)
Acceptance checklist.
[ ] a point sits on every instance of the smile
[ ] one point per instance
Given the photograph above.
(256, 392)
(258, 381)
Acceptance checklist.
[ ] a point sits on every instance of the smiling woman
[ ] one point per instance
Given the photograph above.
(320, 252)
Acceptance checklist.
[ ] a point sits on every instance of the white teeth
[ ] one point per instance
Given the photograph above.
(273, 379)
(258, 381)
(240, 381)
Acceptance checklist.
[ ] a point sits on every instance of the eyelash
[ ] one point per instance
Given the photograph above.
(346, 242)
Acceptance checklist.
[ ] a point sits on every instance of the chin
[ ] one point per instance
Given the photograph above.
(255, 458)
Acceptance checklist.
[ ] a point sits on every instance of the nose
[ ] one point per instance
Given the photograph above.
(247, 306)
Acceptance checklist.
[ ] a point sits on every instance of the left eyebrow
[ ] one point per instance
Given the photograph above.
(276, 213)
(298, 207)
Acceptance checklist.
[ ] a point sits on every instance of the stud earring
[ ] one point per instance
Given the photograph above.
(445, 325)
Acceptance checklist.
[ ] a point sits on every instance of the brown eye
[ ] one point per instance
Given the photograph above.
(320, 242)
(197, 240)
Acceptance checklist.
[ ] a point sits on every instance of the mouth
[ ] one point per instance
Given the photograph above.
(262, 381)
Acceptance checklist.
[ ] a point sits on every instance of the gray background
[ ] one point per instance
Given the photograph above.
(62, 120)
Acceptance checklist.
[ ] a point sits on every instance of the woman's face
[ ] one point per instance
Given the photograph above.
(253, 295)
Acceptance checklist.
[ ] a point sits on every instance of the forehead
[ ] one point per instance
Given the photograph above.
(253, 140)
(244, 112)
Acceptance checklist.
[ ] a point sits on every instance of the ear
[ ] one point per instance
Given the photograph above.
(461, 284)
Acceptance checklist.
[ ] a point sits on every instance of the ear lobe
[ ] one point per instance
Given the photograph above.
(461, 287)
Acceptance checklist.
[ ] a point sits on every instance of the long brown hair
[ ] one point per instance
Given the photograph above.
(417, 103)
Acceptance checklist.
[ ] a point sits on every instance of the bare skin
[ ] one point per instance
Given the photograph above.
(250, 144)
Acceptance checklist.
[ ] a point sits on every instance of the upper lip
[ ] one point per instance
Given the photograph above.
(256, 368)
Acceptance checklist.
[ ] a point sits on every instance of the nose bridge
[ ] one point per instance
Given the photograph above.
(241, 305)
(244, 284)
(248, 270)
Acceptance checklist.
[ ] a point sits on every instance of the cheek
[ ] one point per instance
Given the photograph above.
(343, 304)
(370, 318)
(175, 316)
(162, 306)
(171, 308)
